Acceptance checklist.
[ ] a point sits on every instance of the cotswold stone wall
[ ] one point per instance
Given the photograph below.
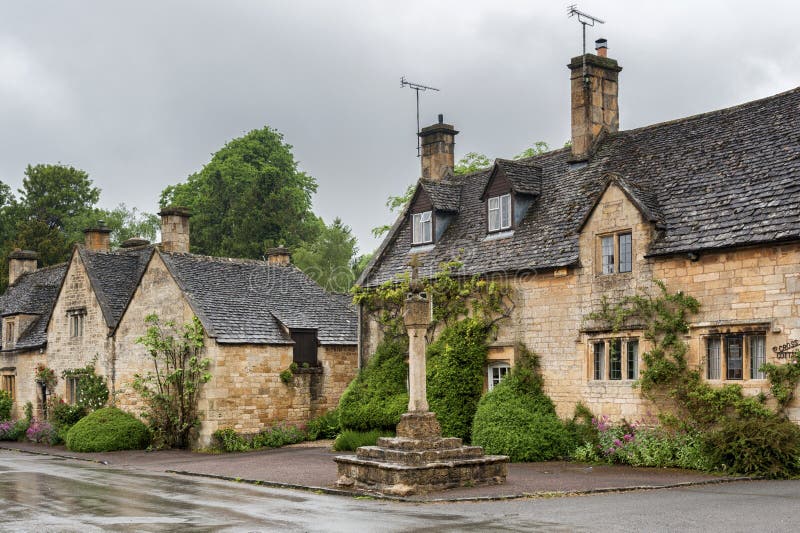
(22, 366)
(245, 392)
(65, 351)
(754, 289)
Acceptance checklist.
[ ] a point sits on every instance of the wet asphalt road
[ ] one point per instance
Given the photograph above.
(39, 493)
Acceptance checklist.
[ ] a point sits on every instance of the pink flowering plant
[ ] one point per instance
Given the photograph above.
(643, 443)
(40, 431)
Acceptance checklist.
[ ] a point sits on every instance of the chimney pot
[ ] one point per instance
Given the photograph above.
(441, 118)
(601, 45)
(20, 262)
(279, 256)
(175, 229)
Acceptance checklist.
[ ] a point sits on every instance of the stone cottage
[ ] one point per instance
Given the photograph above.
(259, 317)
(709, 204)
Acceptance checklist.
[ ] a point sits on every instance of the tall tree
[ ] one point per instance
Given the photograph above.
(248, 198)
(330, 258)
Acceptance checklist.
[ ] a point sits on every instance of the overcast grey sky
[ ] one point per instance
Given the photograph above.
(141, 93)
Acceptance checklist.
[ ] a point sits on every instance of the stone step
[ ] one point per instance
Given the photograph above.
(418, 457)
(405, 443)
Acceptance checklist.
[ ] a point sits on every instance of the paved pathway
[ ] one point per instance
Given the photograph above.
(313, 466)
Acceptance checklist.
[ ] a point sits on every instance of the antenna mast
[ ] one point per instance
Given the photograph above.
(417, 87)
(585, 20)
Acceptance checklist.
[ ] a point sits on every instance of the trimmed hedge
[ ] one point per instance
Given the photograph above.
(349, 441)
(455, 368)
(377, 397)
(517, 419)
(106, 430)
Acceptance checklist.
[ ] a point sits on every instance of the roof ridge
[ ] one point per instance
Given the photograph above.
(37, 271)
(216, 259)
(706, 114)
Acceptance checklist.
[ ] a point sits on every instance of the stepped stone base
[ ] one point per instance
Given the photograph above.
(419, 460)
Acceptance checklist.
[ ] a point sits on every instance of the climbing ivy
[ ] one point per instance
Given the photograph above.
(454, 297)
(783, 380)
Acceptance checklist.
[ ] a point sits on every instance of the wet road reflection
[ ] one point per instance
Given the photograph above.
(39, 493)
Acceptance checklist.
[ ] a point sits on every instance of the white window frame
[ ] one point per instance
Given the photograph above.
(496, 372)
(422, 227)
(499, 212)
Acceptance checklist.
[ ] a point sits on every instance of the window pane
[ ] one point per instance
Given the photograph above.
(625, 252)
(733, 356)
(758, 355)
(607, 246)
(505, 211)
(496, 373)
(599, 360)
(712, 357)
(494, 213)
(615, 359)
(422, 227)
(633, 359)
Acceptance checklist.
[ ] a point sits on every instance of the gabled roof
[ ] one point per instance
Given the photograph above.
(241, 301)
(722, 179)
(525, 177)
(643, 199)
(444, 195)
(33, 293)
(114, 277)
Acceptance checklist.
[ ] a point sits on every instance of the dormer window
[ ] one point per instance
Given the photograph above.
(499, 212)
(422, 228)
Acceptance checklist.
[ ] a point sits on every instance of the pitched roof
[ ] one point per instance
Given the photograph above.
(33, 293)
(114, 277)
(246, 301)
(525, 176)
(444, 195)
(722, 179)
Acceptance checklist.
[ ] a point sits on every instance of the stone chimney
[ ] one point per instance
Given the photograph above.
(595, 88)
(175, 229)
(279, 256)
(98, 238)
(20, 262)
(438, 149)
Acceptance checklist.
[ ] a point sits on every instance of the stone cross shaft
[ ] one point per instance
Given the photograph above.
(417, 317)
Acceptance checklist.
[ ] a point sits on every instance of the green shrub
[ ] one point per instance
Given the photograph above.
(764, 446)
(323, 427)
(522, 426)
(10, 430)
(349, 440)
(278, 436)
(455, 372)
(228, 440)
(5, 405)
(108, 429)
(378, 396)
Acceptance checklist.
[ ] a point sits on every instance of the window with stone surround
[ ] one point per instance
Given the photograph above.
(735, 356)
(8, 384)
(76, 320)
(616, 253)
(422, 227)
(9, 330)
(497, 371)
(615, 359)
(73, 389)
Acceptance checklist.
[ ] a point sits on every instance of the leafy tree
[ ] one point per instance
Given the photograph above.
(328, 259)
(396, 204)
(538, 148)
(471, 162)
(172, 389)
(360, 263)
(124, 223)
(248, 198)
(58, 195)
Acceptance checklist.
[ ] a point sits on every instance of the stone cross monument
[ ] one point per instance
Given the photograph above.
(418, 459)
